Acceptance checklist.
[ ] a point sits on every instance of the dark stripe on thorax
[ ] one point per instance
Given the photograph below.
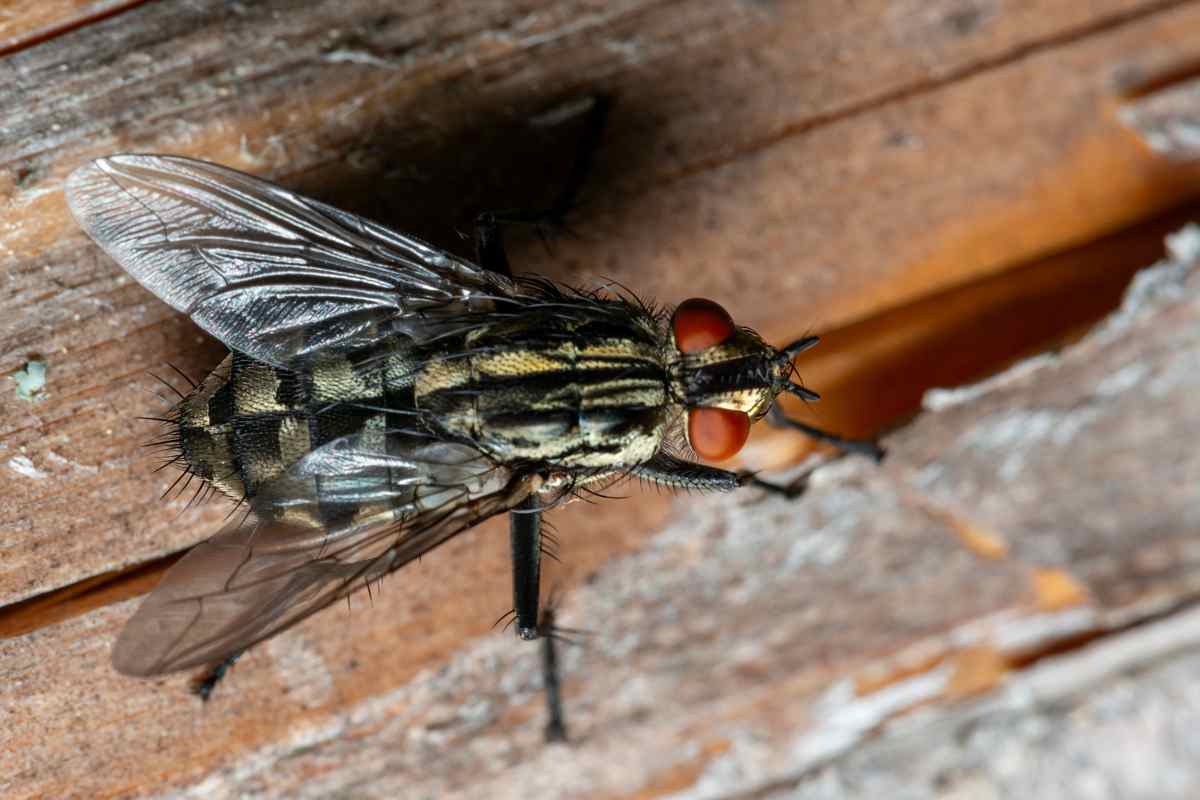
(554, 380)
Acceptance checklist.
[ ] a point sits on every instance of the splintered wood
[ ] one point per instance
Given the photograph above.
(943, 187)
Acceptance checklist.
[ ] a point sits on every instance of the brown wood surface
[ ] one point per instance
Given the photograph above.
(941, 186)
(25, 23)
(948, 182)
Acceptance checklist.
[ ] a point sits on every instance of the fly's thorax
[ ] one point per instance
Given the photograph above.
(586, 392)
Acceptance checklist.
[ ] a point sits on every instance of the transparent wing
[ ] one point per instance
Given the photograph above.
(259, 576)
(268, 272)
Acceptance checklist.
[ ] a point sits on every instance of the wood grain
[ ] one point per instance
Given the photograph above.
(878, 170)
(771, 205)
(746, 645)
(25, 23)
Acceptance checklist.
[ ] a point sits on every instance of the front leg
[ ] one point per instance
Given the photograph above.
(676, 473)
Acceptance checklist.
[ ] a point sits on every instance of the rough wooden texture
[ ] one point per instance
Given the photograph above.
(1166, 119)
(24, 23)
(876, 169)
(1112, 721)
(848, 190)
(751, 644)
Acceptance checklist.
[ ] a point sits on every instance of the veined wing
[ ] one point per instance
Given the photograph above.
(268, 272)
(260, 575)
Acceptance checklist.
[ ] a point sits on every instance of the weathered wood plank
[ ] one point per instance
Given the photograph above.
(25, 23)
(746, 645)
(1111, 715)
(850, 160)
(762, 199)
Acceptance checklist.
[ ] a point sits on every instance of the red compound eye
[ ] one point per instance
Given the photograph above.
(699, 324)
(717, 433)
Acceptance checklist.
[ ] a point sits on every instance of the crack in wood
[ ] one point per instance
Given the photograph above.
(42, 35)
(58, 605)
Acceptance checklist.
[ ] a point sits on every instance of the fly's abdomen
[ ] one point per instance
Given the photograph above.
(249, 422)
(587, 395)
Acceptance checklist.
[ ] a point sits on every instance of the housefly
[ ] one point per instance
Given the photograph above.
(381, 396)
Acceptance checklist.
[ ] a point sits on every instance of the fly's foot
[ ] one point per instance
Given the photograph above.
(203, 684)
(863, 447)
(790, 491)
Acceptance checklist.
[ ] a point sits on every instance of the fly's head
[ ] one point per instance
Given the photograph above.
(725, 376)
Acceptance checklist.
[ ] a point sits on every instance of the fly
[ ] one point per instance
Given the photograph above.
(382, 396)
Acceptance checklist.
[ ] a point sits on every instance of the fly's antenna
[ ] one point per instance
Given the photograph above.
(777, 418)
(791, 351)
(800, 345)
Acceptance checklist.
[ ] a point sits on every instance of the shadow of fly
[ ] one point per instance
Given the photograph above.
(381, 396)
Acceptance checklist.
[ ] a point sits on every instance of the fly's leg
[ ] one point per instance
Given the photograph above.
(525, 534)
(204, 683)
(556, 725)
(675, 473)
(552, 635)
(489, 237)
(776, 417)
(790, 491)
(797, 487)
(489, 245)
(862, 447)
(525, 539)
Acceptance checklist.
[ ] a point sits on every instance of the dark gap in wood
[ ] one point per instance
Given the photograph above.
(964, 334)
(46, 34)
(1139, 88)
(82, 596)
(1058, 647)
